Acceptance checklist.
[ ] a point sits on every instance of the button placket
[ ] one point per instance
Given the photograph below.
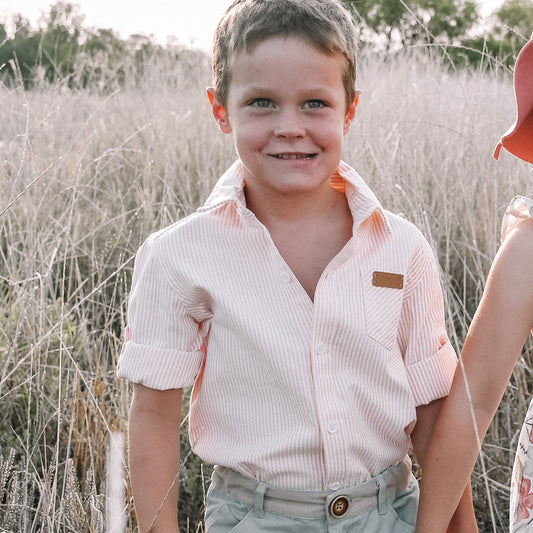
(321, 352)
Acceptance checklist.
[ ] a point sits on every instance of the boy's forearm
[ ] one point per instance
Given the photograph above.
(450, 461)
(464, 519)
(441, 468)
(154, 458)
(440, 499)
(456, 439)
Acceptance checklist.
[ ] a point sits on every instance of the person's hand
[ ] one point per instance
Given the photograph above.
(463, 523)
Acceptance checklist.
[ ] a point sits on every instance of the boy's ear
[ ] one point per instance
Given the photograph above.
(350, 114)
(219, 111)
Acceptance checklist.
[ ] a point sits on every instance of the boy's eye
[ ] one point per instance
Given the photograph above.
(315, 104)
(261, 102)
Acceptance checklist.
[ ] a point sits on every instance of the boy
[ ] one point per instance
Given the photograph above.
(309, 320)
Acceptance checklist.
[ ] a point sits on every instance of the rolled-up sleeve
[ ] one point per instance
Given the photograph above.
(429, 357)
(163, 342)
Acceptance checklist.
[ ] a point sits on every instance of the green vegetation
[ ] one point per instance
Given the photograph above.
(88, 170)
(453, 26)
(417, 21)
(62, 49)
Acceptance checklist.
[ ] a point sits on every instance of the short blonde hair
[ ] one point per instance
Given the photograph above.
(326, 24)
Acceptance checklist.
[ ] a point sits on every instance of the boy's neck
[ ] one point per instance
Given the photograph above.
(294, 208)
(308, 230)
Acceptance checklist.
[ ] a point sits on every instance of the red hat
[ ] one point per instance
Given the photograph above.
(519, 138)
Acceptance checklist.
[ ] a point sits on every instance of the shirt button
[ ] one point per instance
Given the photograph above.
(321, 349)
(335, 486)
(333, 427)
(286, 277)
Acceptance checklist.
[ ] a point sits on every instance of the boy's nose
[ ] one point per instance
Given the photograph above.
(289, 125)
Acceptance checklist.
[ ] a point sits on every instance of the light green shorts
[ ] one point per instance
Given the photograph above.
(387, 503)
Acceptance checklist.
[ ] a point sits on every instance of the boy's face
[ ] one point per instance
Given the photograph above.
(286, 108)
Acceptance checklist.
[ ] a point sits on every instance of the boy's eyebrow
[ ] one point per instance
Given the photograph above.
(255, 89)
(305, 91)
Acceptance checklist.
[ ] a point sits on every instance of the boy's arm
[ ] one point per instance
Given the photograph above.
(430, 360)
(493, 344)
(463, 520)
(154, 457)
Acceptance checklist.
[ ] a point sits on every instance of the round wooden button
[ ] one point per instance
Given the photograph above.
(339, 506)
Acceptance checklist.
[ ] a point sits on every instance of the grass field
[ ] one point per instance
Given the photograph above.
(85, 176)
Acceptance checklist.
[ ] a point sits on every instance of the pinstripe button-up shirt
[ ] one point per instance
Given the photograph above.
(301, 394)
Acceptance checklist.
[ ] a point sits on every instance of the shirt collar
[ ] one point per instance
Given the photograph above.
(362, 201)
(229, 188)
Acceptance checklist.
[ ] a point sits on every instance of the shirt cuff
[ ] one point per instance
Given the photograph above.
(431, 378)
(157, 368)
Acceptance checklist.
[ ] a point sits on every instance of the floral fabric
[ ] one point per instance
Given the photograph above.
(521, 512)
(521, 503)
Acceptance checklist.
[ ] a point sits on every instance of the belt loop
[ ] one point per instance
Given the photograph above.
(259, 499)
(382, 494)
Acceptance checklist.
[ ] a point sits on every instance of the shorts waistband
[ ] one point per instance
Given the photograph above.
(340, 504)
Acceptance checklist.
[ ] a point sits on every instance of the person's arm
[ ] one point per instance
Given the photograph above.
(492, 347)
(464, 520)
(154, 457)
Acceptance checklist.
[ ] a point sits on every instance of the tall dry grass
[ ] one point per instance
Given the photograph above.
(86, 176)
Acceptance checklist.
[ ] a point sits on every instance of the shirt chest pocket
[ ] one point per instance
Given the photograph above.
(382, 298)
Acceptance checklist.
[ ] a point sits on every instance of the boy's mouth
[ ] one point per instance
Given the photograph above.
(294, 156)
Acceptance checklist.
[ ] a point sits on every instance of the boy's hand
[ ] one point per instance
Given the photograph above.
(472, 528)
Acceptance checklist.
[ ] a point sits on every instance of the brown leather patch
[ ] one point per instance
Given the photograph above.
(387, 279)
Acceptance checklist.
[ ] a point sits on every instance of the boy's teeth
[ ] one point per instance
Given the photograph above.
(294, 156)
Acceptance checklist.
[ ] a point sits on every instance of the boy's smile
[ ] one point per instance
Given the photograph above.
(288, 113)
